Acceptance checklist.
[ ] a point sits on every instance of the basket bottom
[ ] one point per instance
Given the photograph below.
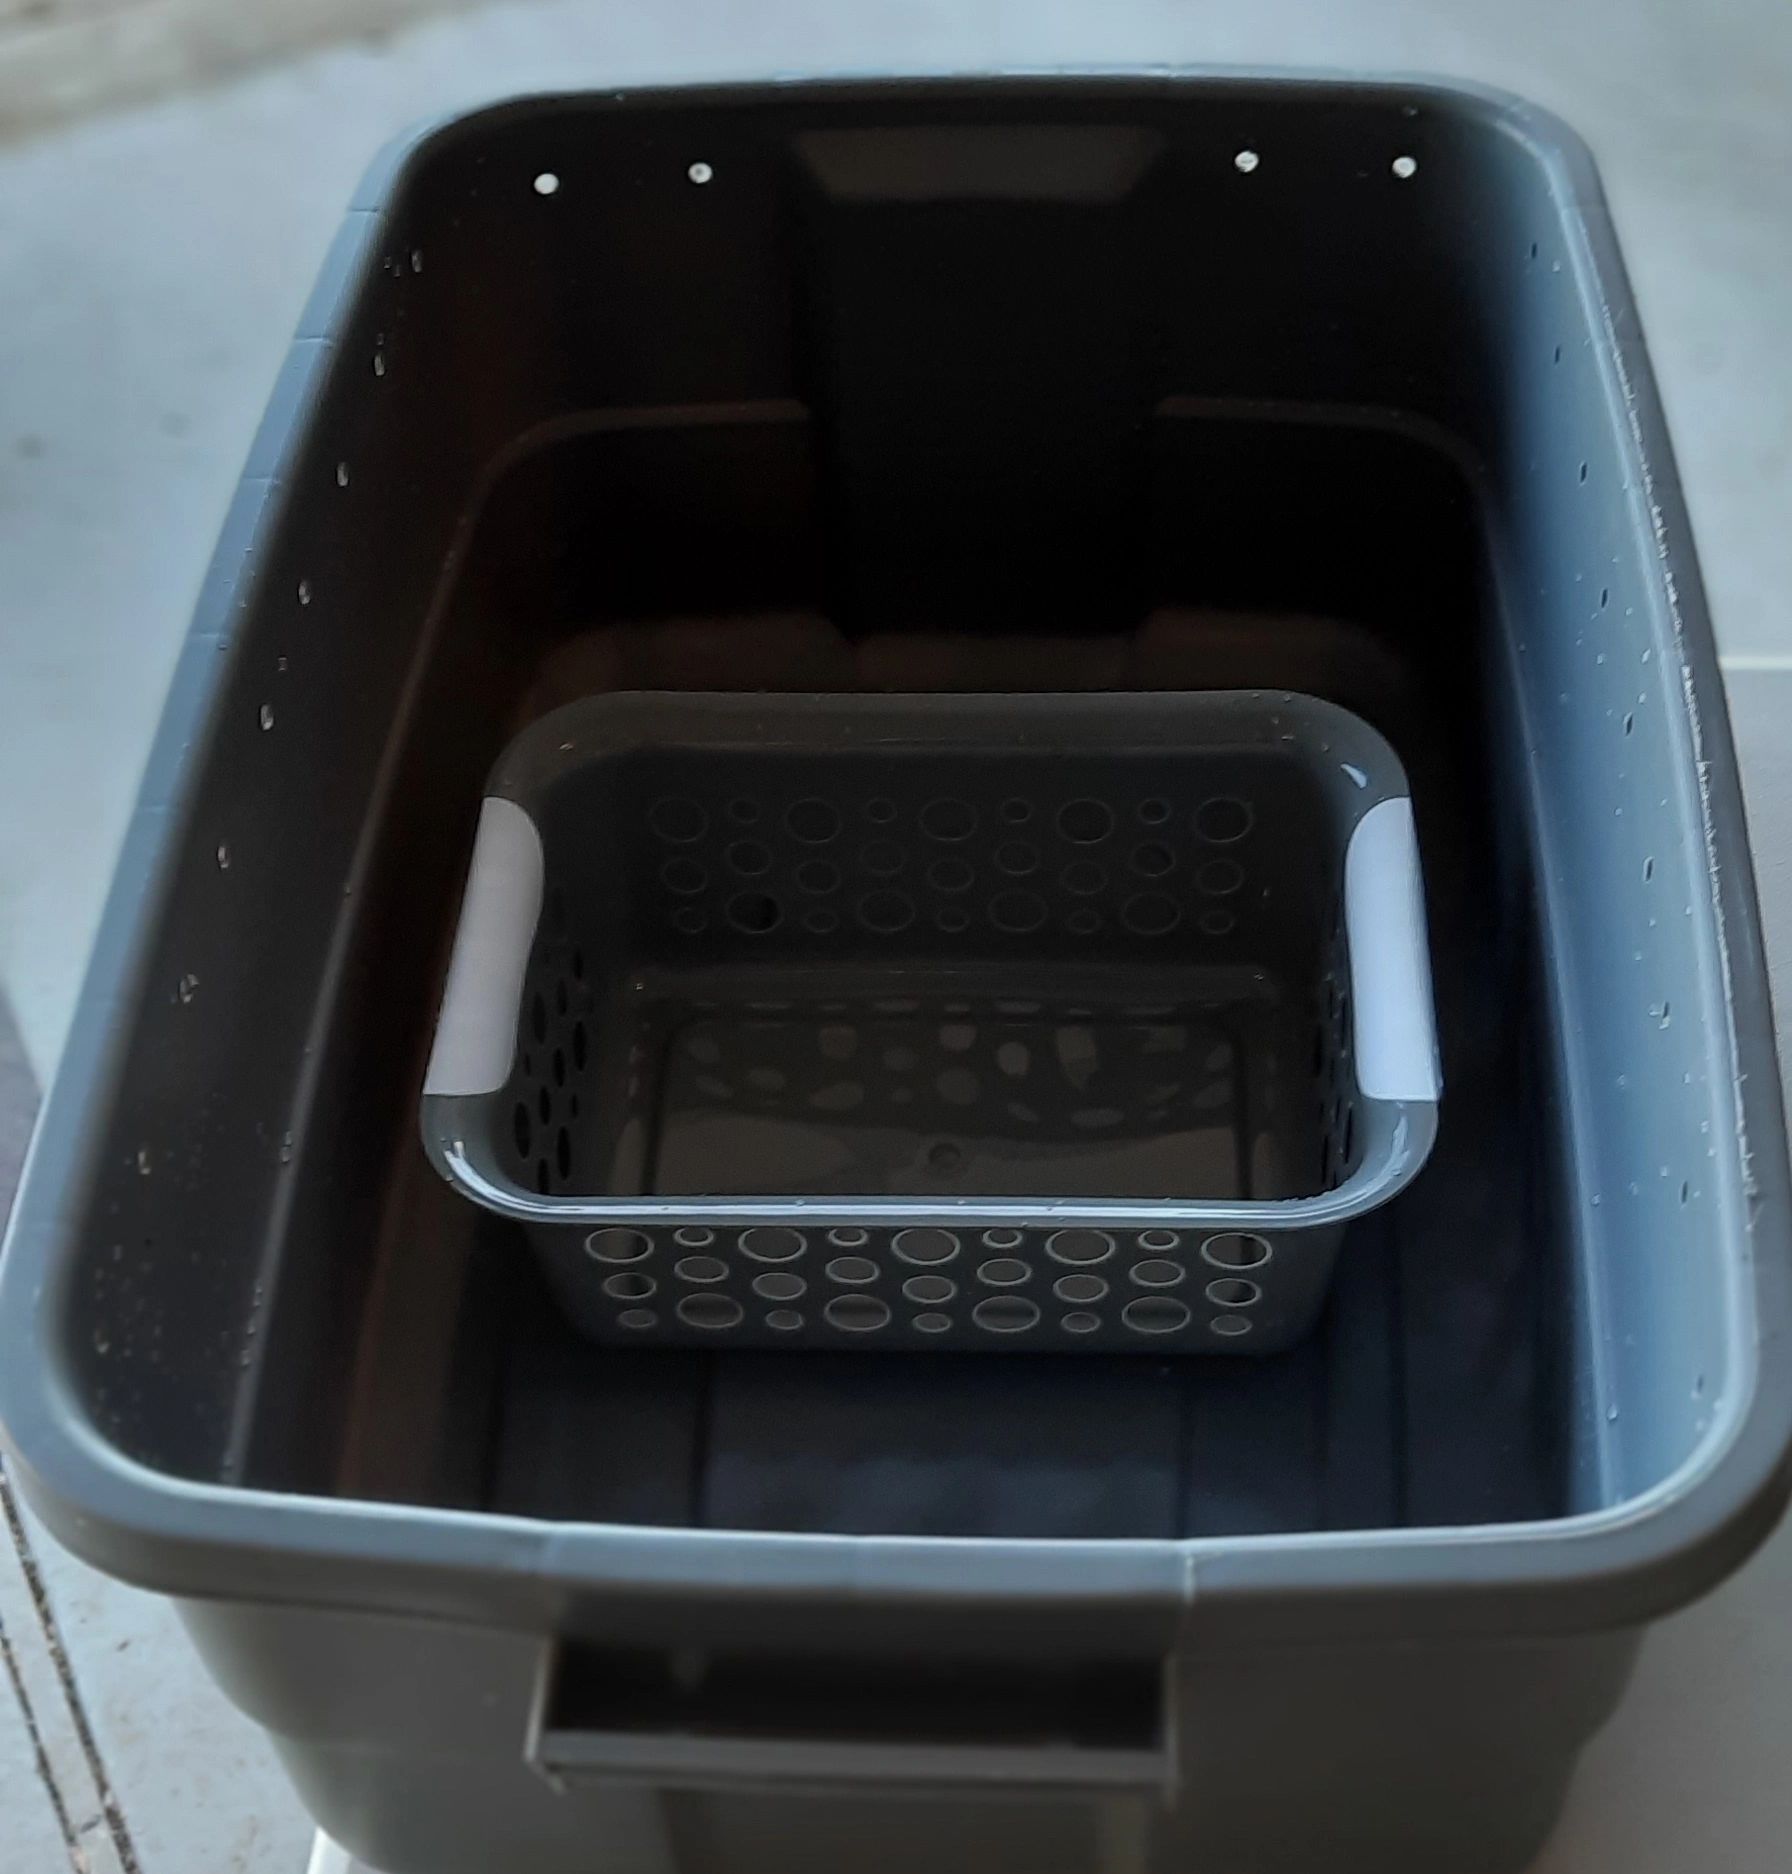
(888, 1084)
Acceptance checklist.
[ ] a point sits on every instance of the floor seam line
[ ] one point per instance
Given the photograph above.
(110, 1807)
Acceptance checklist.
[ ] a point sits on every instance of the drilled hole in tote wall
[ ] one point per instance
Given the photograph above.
(547, 183)
(1246, 161)
(1405, 167)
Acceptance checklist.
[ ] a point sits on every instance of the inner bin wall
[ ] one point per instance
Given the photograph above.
(857, 408)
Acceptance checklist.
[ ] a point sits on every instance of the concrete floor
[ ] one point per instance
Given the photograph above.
(151, 267)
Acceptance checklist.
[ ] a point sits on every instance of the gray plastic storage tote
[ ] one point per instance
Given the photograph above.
(1095, 388)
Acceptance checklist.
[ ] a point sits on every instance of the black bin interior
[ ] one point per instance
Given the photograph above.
(1021, 387)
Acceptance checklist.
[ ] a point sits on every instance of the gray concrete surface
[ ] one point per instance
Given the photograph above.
(151, 266)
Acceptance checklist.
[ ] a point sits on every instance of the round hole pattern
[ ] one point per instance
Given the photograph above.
(1079, 1289)
(1001, 1238)
(857, 1314)
(852, 1269)
(849, 1236)
(629, 1285)
(618, 1245)
(693, 1236)
(637, 1319)
(700, 1269)
(948, 819)
(1079, 1322)
(1079, 1246)
(783, 1320)
(929, 1290)
(1156, 1314)
(1236, 1249)
(1233, 1291)
(711, 1312)
(772, 1243)
(1003, 1272)
(1157, 1273)
(1006, 1314)
(779, 1285)
(1230, 1325)
(924, 1246)
(932, 1323)
(1224, 820)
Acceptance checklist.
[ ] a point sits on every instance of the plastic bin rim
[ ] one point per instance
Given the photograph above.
(1609, 1568)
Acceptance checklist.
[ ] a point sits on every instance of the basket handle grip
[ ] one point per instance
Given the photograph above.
(1394, 1026)
(476, 1029)
(713, 1720)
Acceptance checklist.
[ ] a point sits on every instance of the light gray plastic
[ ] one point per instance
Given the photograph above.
(945, 387)
(940, 1021)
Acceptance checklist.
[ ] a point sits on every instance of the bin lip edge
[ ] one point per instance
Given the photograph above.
(1667, 1545)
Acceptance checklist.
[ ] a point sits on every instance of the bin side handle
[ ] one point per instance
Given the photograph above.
(1394, 1025)
(476, 1030)
(707, 1720)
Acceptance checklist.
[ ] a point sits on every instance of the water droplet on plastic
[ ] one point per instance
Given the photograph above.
(188, 987)
(266, 717)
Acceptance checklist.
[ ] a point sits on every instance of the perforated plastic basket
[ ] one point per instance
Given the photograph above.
(910, 1022)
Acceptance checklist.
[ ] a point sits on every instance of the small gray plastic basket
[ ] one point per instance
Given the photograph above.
(1013, 1022)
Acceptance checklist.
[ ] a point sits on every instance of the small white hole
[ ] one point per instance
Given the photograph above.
(710, 1311)
(772, 1243)
(1245, 161)
(1159, 1272)
(852, 1269)
(700, 1269)
(929, 1290)
(1005, 1314)
(618, 1245)
(779, 1286)
(1080, 1246)
(1080, 1288)
(1155, 1314)
(925, 1246)
(1406, 167)
(630, 1285)
(546, 183)
(700, 173)
(1236, 1249)
(857, 1314)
